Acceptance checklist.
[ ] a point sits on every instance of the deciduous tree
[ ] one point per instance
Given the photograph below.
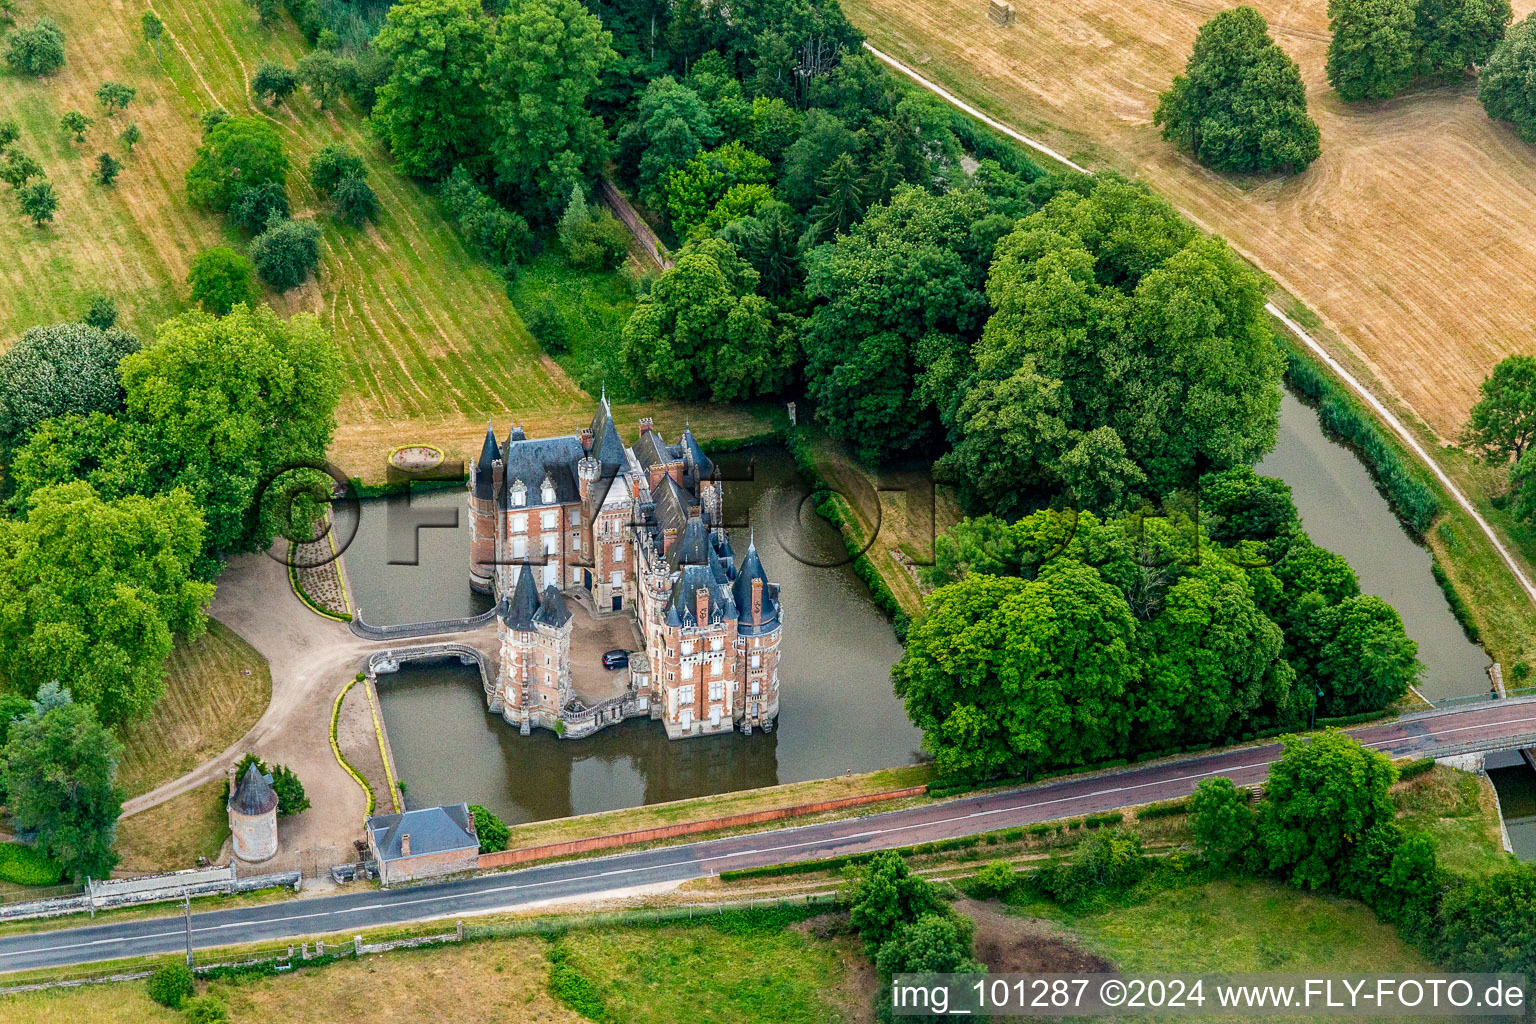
(1222, 822)
(221, 277)
(355, 202)
(39, 201)
(95, 591)
(547, 58)
(59, 768)
(107, 168)
(1507, 86)
(1373, 53)
(239, 152)
(115, 96)
(76, 124)
(51, 371)
(131, 136)
(430, 111)
(37, 49)
(1004, 674)
(1323, 794)
(286, 253)
(1503, 422)
(325, 75)
(1240, 104)
(273, 82)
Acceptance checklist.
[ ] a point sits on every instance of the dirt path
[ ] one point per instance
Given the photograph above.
(311, 658)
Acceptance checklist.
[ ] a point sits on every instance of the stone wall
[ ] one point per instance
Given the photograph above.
(506, 858)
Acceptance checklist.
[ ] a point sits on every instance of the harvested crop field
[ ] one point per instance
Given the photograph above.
(1410, 236)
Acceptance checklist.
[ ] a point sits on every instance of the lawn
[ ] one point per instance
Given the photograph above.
(664, 975)
(1243, 926)
(173, 834)
(430, 341)
(215, 690)
(1460, 810)
(589, 309)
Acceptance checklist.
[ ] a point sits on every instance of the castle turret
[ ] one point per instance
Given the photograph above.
(482, 513)
(252, 815)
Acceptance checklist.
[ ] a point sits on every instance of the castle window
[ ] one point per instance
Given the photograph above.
(519, 493)
(687, 670)
(519, 547)
(756, 687)
(717, 643)
(575, 542)
(688, 647)
(716, 691)
(519, 524)
(718, 666)
(547, 520)
(575, 516)
(757, 661)
(618, 552)
(546, 659)
(547, 492)
(685, 695)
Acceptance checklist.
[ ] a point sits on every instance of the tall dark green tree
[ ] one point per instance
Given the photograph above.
(430, 112)
(1323, 794)
(1240, 104)
(547, 58)
(238, 153)
(1004, 674)
(58, 769)
(51, 371)
(1374, 52)
(1454, 36)
(1507, 86)
(704, 330)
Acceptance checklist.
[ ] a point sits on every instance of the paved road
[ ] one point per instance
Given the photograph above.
(1492, 724)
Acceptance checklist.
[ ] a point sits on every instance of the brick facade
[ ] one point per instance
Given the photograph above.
(628, 529)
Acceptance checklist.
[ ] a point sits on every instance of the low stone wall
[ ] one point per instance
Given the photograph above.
(506, 858)
(150, 889)
(413, 629)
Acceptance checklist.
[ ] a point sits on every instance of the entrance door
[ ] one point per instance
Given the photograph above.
(586, 579)
(618, 601)
(687, 721)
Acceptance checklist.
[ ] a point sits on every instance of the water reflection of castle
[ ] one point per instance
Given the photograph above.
(620, 530)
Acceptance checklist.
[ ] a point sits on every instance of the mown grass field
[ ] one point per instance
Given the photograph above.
(172, 835)
(1410, 235)
(431, 343)
(215, 690)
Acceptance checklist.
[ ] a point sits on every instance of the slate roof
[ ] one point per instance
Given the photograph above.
(651, 450)
(552, 610)
(681, 609)
(254, 793)
(432, 830)
(531, 460)
(695, 456)
(489, 453)
(518, 610)
(741, 592)
(607, 448)
(691, 546)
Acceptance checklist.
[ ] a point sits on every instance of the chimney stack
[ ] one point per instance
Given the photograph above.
(757, 600)
(405, 844)
(668, 538)
(645, 424)
(586, 439)
(701, 605)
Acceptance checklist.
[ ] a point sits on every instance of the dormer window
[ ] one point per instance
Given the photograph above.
(547, 491)
(519, 493)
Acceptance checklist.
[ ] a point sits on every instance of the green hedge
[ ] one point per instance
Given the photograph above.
(1101, 820)
(1165, 809)
(828, 509)
(27, 865)
(1413, 769)
(1414, 500)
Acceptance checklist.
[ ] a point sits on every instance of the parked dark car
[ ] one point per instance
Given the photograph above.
(616, 659)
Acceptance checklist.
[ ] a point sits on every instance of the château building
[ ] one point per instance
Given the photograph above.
(567, 530)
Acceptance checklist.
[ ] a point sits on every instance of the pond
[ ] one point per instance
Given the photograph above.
(837, 712)
(1343, 512)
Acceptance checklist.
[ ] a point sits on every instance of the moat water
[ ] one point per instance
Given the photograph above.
(1343, 512)
(837, 711)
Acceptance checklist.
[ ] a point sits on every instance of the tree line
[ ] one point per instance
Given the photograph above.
(132, 471)
(1063, 639)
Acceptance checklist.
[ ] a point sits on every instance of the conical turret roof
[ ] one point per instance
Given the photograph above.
(254, 794)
